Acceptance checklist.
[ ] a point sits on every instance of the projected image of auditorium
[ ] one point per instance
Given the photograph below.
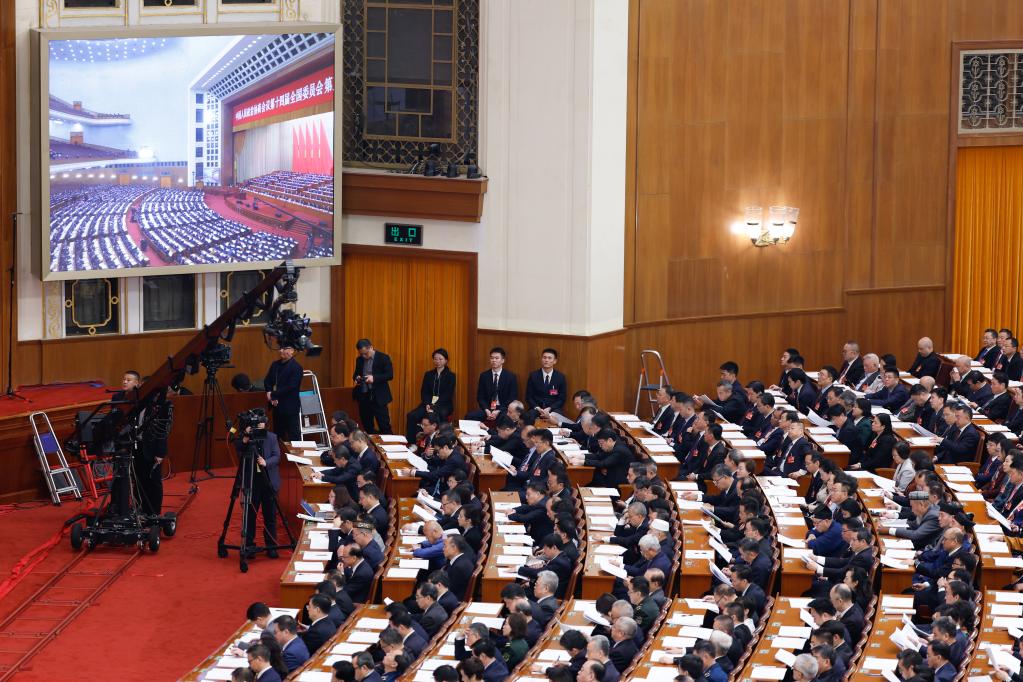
(190, 151)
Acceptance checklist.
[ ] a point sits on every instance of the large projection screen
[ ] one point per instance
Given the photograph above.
(187, 149)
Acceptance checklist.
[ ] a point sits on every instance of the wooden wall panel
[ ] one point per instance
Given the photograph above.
(8, 176)
(106, 358)
(597, 364)
(408, 302)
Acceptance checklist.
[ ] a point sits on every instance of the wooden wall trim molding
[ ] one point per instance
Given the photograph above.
(894, 290)
(546, 335)
(829, 310)
(412, 196)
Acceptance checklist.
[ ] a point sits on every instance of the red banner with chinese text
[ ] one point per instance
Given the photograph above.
(307, 91)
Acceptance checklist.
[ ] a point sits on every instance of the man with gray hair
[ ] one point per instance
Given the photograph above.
(365, 668)
(598, 649)
(722, 642)
(546, 603)
(623, 647)
(650, 556)
(804, 668)
(634, 524)
(872, 377)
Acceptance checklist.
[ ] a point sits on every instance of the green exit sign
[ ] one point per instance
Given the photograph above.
(410, 235)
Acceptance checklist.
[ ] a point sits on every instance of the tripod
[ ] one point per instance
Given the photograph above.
(12, 274)
(203, 451)
(244, 483)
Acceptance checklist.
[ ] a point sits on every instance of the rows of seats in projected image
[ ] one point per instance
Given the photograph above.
(88, 229)
(184, 229)
(308, 189)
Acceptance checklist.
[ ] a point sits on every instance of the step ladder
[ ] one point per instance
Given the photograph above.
(313, 420)
(650, 359)
(60, 479)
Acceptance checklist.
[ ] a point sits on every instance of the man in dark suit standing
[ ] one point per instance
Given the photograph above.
(266, 481)
(373, 371)
(283, 381)
(496, 388)
(546, 388)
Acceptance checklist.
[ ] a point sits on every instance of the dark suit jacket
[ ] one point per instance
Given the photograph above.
(283, 380)
(497, 671)
(854, 623)
(433, 618)
(806, 398)
(958, 446)
(925, 366)
(381, 519)
(850, 374)
(794, 459)
(383, 372)
(561, 565)
(552, 398)
(663, 422)
(622, 654)
(611, 468)
(271, 455)
(889, 398)
(987, 356)
(1013, 367)
(449, 601)
(459, 573)
(318, 633)
(270, 675)
(507, 389)
(1015, 420)
(444, 385)
(835, 567)
(357, 582)
(755, 593)
(998, 406)
(544, 609)
(733, 409)
(879, 453)
(982, 395)
(295, 653)
(443, 469)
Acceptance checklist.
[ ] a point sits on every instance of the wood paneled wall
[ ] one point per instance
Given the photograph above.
(407, 302)
(596, 364)
(839, 107)
(106, 358)
(8, 175)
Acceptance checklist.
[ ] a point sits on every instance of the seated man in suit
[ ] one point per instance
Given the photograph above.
(505, 437)
(546, 388)
(293, 648)
(321, 629)
(980, 391)
(997, 407)
(712, 671)
(960, 442)
(535, 464)
(533, 514)
(847, 611)
(545, 591)
(1010, 361)
(729, 402)
(825, 539)
(494, 669)
(623, 643)
(753, 593)
(792, 454)
(892, 394)
(357, 572)
(433, 614)
(852, 364)
(830, 667)
(664, 415)
(832, 570)
(801, 392)
(926, 363)
(370, 499)
(988, 353)
(871, 380)
(938, 655)
(259, 663)
(411, 641)
(461, 563)
(496, 388)
(365, 667)
(610, 463)
(923, 526)
(554, 561)
(449, 458)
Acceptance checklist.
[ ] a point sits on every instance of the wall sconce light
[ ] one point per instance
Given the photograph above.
(780, 226)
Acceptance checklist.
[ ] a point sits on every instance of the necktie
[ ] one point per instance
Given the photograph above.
(496, 378)
(547, 381)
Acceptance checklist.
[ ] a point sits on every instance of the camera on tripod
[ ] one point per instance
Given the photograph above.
(252, 423)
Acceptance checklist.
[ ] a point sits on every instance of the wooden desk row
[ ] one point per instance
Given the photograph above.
(358, 633)
(548, 650)
(600, 521)
(443, 650)
(219, 664)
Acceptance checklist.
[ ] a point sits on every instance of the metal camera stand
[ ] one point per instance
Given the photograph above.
(118, 519)
(203, 450)
(244, 480)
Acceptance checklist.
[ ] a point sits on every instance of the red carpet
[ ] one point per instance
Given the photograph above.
(54, 395)
(165, 614)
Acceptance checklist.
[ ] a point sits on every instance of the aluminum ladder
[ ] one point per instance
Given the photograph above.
(60, 479)
(647, 360)
(313, 420)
